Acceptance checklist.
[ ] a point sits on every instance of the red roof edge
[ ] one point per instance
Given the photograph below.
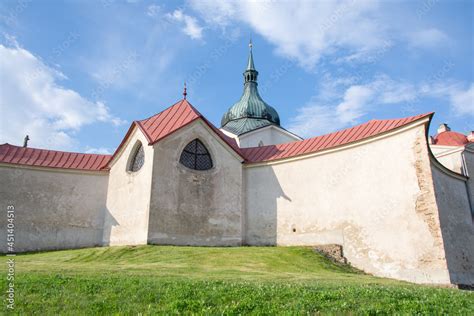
(228, 140)
(122, 143)
(16, 155)
(354, 134)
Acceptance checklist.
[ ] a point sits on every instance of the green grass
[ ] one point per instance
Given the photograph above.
(259, 280)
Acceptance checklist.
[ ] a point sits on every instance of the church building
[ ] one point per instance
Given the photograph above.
(399, 202)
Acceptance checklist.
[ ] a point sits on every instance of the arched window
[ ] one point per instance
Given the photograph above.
(195, 156)
(137, 158)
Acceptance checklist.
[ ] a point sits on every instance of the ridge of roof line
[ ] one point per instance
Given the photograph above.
(57, 159)
(55, 150)
(330, 140)
(170, 120)
(149, 117)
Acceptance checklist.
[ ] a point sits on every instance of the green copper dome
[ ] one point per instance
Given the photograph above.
(250, 112)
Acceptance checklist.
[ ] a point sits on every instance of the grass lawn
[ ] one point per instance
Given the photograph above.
(259, 280)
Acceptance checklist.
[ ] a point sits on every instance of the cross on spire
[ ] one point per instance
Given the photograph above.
(185, 93)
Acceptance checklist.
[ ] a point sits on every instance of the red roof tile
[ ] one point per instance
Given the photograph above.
(315, 144)
(170, 120)
(449, 138)
(11, 154)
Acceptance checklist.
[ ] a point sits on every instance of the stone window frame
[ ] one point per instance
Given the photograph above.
(136, 150)
(209, 153)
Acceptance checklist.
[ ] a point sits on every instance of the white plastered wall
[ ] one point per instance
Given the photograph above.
(456, 223)
(190, 207)
(269, 135)
(449, 156)
(128, 198)
(378, 205)
(53, 208)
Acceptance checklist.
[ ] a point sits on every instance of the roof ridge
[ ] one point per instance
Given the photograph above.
(55, 150)
(330, 140)
(149, 117)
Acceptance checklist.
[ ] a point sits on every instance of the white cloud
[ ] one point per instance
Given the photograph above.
(191, 26)
(153, 10)
(459, 97)
(100, 150)
(352, 106)
(463, 100)
(427, 38)
(327, 111)
(318, 117)
(304, 30)
(346, 31)
(34, 103)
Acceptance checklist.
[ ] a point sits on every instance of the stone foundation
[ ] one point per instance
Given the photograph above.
(333, 252)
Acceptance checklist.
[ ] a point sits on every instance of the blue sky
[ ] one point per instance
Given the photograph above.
(75, 74)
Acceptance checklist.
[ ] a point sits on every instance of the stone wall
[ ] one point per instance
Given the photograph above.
(128, 198)
(190, 207)
(379, 204)
(456, 224)
(268, 136)
(449, 156)
(54, 209)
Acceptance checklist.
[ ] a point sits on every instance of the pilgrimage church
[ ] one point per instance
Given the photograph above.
(399, 202)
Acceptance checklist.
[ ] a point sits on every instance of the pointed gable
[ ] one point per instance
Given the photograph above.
(169, 121)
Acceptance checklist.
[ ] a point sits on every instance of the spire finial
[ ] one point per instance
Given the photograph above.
(185, 93)
(250, 65)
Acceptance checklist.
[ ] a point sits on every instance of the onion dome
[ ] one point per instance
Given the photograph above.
(250, 112)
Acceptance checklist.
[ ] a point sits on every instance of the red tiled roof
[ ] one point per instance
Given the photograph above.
(319, 143)
(449, 138)
(11, 154)
(170, 120)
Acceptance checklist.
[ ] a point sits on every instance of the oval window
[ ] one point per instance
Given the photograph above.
(137, 159)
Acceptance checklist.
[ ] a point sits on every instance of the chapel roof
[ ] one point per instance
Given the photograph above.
(324, 142)
(170, 120)
(183, 113)
(27, 156)
(250, 112)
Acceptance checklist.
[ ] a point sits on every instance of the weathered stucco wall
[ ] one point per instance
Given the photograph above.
(449, 156)
(54, 209)
(128, 198)
(267, 135)
(191, 207)
(379, 206)
(469, 159)
(456, 225)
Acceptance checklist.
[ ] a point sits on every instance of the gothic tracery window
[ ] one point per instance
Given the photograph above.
(138, 158)
(196, 156)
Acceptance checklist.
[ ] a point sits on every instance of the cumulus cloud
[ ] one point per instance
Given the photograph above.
(308, 31)
(459, 96)
(463, 100)
(304, 30)
(317, 117)
(328, 111)
(190, 27)
(34, 102)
